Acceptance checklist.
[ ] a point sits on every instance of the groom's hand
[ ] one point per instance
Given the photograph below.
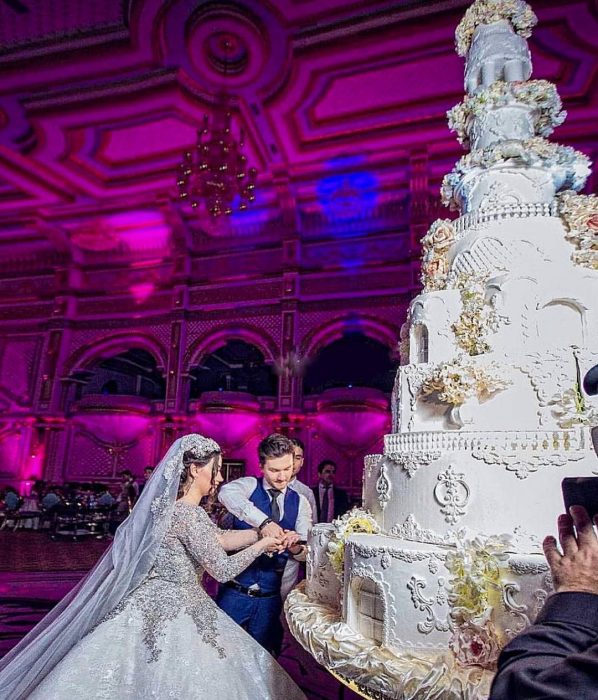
(272, 529)
(290, 538)
(292, 541)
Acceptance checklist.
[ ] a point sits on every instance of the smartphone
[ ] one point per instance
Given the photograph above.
(581, 491)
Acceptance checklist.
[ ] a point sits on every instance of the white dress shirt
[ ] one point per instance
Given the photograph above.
(304, 490)
(234, 496)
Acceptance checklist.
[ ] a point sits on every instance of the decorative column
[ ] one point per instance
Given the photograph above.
(289, 386)
(175, 401)
(47, 439)
(56, 449)
(174, 419)
(419, 210)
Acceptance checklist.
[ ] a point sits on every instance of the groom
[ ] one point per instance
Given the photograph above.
(253, 598)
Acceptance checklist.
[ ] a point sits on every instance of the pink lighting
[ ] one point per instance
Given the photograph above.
(141, 230)
(354, 430)
(96, 235)
(141, 292)
(137, 231)
(116, 428)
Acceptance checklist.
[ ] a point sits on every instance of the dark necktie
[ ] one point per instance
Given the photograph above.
(274, 493)
(324, 507)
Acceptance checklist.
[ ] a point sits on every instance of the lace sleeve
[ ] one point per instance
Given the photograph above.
(232, 540)
(199, 535)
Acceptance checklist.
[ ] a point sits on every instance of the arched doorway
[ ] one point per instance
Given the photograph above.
(235, 366)
(133, 372)
(355, 360)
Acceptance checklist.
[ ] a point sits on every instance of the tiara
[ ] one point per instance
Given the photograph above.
(198, 444)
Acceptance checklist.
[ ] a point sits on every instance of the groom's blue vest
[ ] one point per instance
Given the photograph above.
(267, 571)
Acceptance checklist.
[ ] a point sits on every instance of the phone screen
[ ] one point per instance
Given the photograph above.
(581, 491)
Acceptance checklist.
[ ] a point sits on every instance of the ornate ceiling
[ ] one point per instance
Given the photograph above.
(339, 101)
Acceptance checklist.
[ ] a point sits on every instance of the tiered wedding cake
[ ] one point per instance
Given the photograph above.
(488, 414)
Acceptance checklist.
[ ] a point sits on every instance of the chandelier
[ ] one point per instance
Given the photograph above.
(215, 171)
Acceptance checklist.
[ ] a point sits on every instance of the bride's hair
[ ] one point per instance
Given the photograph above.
(189, 459)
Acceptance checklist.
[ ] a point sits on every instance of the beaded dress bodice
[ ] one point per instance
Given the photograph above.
(173, 585)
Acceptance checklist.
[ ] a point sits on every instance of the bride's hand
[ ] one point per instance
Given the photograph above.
(272, 544)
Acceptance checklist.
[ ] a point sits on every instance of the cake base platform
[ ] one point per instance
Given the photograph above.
(373, 671)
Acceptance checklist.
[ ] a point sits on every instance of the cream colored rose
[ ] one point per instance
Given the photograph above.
(435, 267)
(442, 236)
(475, 645)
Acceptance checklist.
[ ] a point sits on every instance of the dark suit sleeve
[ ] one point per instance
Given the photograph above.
(557, 657)
(341, 501)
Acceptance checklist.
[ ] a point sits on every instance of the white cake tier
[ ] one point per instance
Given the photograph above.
(487, 482)
(537, 320)
(503, 123)
(322, 584)
(507, 184)
(504, 212)
(406, 596)
(514, 172)
(515, 406)
(518, 245)
(496, 53)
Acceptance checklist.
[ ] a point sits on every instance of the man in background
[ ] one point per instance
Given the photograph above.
(331, 501)
(147, 472)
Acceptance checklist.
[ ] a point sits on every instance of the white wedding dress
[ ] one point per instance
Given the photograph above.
(167, 638)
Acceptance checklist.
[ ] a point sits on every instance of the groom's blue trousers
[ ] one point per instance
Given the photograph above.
(260, 617)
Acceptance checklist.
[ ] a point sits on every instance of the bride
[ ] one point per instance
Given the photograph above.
(140, 625)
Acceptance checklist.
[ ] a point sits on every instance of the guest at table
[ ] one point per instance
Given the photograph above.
(105, 499)
(51, 498)
(11, 499)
